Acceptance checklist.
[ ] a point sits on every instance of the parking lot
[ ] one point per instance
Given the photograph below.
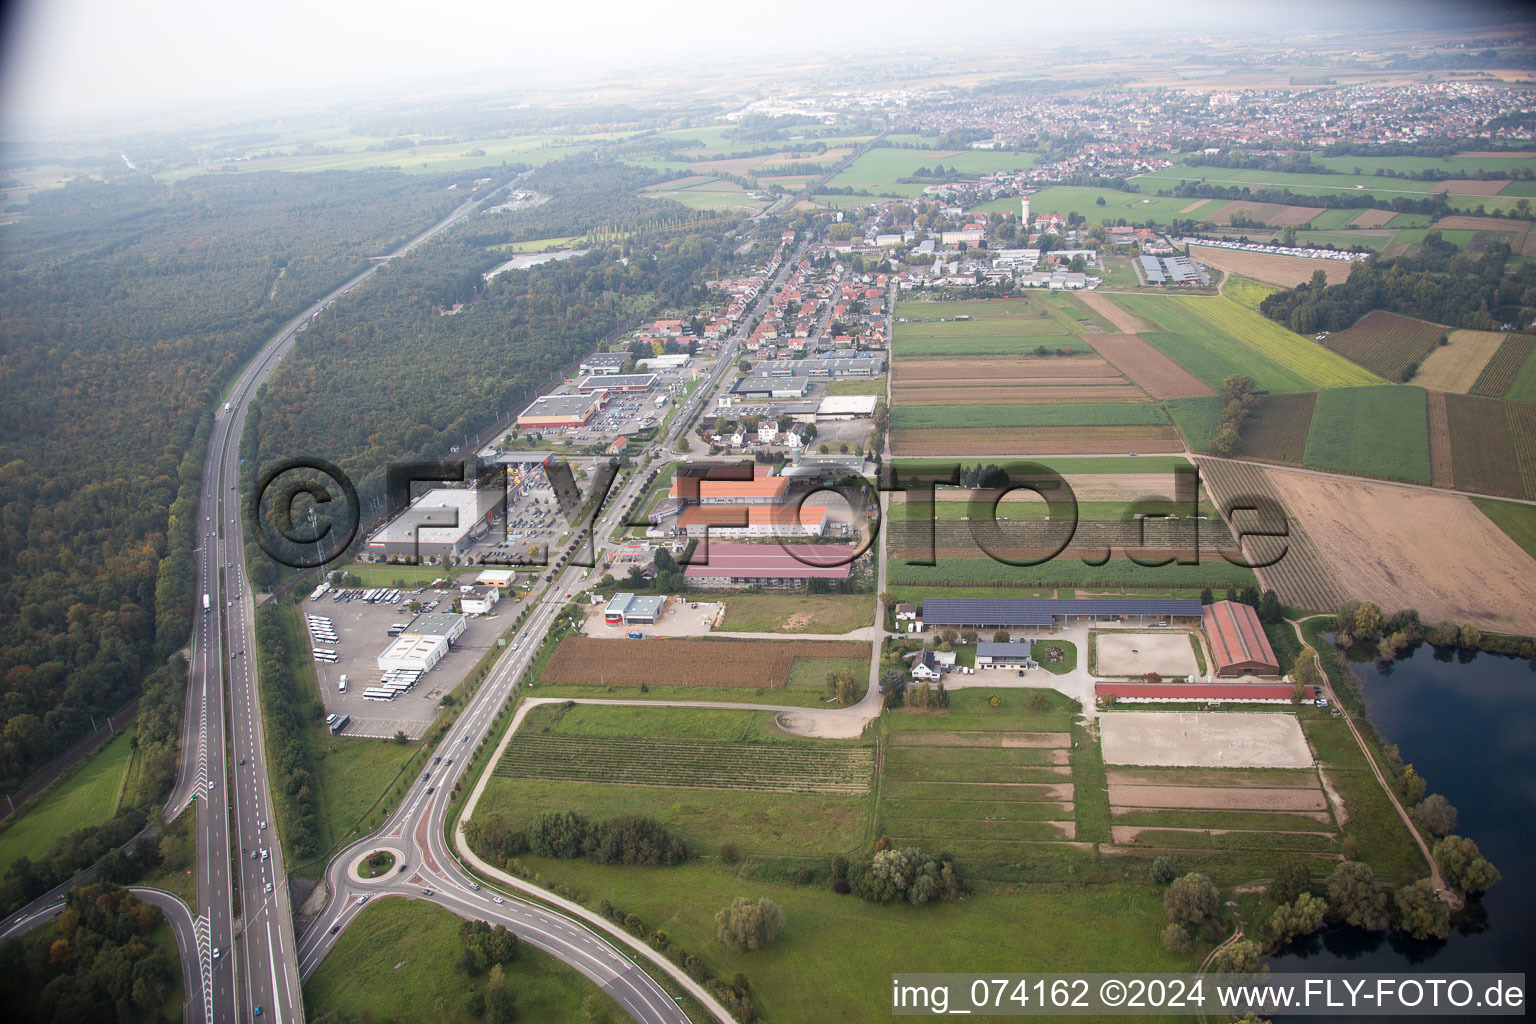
(362, 632)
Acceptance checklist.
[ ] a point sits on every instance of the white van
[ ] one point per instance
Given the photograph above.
(341, 687)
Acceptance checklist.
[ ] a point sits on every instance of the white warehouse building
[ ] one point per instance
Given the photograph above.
(413, 653)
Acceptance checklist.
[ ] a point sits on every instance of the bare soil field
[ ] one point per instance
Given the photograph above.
(747, 663)
(1470, 187)
(1374, 218)
(967, 442)
(1154, 372)
(1404, 547)
(1210, 798)
(1016, 395)
(1221, 778)
(1210, 739)
(1135, 654)
(1123, 321)
(1441, 473)
(1273, 214)
(1456, 367)
(1046, 740)
(1117, 487)
(932, 372)
(1271, 268)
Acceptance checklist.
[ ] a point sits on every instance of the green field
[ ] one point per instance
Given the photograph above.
(1516, 520)
(856, 387)
(1454, 164)
(397, 962)
(1019, 343)
(715, 776)
(1215, 337)
(878, 169)
(1246, 291)
(351, 775)
(1066, 465)
(1099, 414)
(1313, 185)
(1134, 207)
(1380, 432)
(800, 613)
(391, 575)
(457, 156)
(708, 194)
(88, 797)
(1198, 419)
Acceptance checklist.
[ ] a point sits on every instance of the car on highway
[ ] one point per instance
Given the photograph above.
(217, 952)
(335, 928)
(497, 899)
(362, 899)
(269, 887)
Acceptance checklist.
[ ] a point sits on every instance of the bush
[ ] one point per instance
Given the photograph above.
(749, 924)
(1176, 939)
(1163, 871)
(1190, 900)
(727, 853)
(1464, 867)
(906, 873)
(1436, 815)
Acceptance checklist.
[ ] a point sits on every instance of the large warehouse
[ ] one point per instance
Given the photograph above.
(617, 382)
(769, 565)
(458, 517)
(1053, 613)
(550, 412)
(447, 625)
(1238, 644)
(413, 653)
(760, 521)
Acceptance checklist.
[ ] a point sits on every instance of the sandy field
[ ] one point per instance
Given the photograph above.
(1406, 547)
(1374, 218)
(1212, 740)
(1455, 367)
(1441, 471)
(1152, 371)
(1135, 654)
(1285, 271)
(1124, 322)
(1210, 798)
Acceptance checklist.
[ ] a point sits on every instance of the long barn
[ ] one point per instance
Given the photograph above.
(1238, 644)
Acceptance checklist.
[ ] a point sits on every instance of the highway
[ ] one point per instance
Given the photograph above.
(243, 905)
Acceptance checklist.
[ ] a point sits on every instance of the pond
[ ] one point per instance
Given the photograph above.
(1466, 720)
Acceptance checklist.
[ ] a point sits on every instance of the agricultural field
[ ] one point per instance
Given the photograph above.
(1483, 578)
(1386, 343)
(1517, 521)
(1313, 184)
(1108, 391)
(1123, 322)
(879, 168)
(707, 193)
(1515, 232)
(1267, 268)
(88, 797)
(713, 775)
(796, 613)
(1277, 428)
(1066, 571)
(1487, 438)
(1380, 432)
(1150, 369)
(1293, 565)
(986, 783)
(1511, 372)
(1015, 441)
(1274, 215)
(1441, 473)
(1214, 338)
(1198, 420)
(665, 661)
(1135, 207)
(995, 416)
(1246, 291)
(1457, 365)
(1017, 345)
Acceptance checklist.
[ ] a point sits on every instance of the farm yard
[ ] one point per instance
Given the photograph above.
(677, 662)
(1483, 578)
(1457, 365)
(714, 776)
(1386, 343)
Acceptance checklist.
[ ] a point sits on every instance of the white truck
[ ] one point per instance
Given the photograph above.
(206, 603)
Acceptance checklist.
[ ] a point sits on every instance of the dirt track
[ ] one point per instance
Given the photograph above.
(1122, 319)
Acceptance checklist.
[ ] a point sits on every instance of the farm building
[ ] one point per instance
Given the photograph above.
(413, 653)
(1200, 693)
(1053, 613)
(1011, 655)
(444, 521)
(550, 412)
(770, 566)
(604, 362)
(1238, 644)
(617, 382)
(447, 625)
(753, 521)
(846, 407)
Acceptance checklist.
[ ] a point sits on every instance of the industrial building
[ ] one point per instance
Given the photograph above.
(846, 407)
(1180, 270)
(770, 566)
(670, 361)
(448, 625)
(604, 362)
(753, 521)
(1053, 613)
(698, 488)
(629, 610)
(617, 382)
(443, 522)
(1238, 644)
(772, 387)
(478, 600)
(413, 653)
(551, 412)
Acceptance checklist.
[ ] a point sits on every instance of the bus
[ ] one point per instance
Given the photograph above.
(205, 602)
(325, 659)
(340, 724)
(377, 694)
(341, 687)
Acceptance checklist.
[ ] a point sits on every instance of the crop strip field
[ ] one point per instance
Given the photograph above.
(1270, 339)
(992, 441)
(683, 764)
(1302, 576)
(678, 662)
(1499, 374)
(1379, 431)
(1457, 365)
(1152, 371)
(1016, 395)
(1386, 343)
(1277, 429)
(1045, 370)
(1482, 448)
(1522, 434)
(1441, 463)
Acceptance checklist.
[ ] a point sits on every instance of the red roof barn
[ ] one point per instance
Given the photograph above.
(1238, 644)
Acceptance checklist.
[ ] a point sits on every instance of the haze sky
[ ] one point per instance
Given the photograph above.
(72, 59)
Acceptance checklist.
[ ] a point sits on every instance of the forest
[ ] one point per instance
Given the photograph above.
(385, 376)
(128, 305)
(1440, 283)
